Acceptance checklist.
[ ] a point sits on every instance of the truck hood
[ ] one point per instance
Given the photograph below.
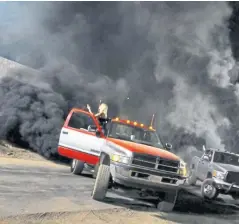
(227, 167)
(144, 149)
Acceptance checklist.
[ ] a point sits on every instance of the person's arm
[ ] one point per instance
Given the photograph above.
(88, 107)
(98, 114)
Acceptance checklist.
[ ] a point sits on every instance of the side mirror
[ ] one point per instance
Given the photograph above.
(168, 146)
(205, 158)
(92, 128)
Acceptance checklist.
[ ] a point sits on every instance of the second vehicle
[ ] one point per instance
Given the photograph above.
(219, 172)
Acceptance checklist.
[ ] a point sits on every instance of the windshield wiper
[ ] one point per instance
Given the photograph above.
(120, 137)
(142, 142)
(149, 144)
(145, 143)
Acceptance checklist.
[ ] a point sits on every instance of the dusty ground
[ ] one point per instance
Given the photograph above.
(116, 216)
(9, 150)
(34, 191)
(119, 216)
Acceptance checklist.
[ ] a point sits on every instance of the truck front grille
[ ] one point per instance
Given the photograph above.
(156, 163)
(232, 177)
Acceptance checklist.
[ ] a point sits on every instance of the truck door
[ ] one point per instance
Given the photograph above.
(203, 165)
(76, 141)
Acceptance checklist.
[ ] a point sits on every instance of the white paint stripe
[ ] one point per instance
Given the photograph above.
(79, 150)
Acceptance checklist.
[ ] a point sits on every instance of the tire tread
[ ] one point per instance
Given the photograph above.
(101, 183)
(77, 170)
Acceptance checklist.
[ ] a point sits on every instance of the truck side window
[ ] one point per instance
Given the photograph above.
(80, 120)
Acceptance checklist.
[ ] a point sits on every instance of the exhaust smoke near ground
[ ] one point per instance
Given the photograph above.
(170, 58)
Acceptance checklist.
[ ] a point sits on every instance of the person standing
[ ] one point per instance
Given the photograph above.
(102, 110)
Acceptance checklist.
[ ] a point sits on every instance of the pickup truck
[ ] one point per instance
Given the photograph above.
(124, 154)
(219, 172)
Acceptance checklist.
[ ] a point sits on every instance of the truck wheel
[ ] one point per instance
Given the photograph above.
(101, 183)
(235, 196)
(168, 203)
(77, 166)
(192, 179)
(209, 190)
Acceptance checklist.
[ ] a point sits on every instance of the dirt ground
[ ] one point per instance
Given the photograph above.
(119, 216)
(116, 216)
(9, 150)
(10, 154)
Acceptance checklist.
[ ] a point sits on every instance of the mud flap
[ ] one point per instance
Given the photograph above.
(168, 203)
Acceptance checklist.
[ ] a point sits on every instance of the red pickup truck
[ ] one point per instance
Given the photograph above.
(123, 153)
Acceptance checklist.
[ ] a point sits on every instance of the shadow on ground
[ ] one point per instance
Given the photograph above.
(189, 209)
(189, 203)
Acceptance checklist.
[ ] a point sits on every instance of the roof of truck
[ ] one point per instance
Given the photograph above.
(119, 120)
(221, 150)
(133, 123)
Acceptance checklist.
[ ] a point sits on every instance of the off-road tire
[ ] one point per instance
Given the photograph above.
(77, 166)
(101, 183)
(168, 202)
(235, 196)
(192, 179)
(211, 194)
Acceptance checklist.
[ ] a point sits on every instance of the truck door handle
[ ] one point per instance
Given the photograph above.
(65, 132)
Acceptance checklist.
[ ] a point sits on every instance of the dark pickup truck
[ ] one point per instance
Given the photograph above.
(219, 172)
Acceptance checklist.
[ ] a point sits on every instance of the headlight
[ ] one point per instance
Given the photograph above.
(120, 159)
(218, 174)
(183, 169)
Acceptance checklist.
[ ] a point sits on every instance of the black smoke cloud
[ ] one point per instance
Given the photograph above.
(36, 113)
(172, 58)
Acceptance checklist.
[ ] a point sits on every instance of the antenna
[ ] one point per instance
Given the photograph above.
(100, 103)
(152, 121)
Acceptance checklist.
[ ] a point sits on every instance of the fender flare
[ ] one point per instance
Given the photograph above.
(104, 159)
(209, 174)
(194, 162)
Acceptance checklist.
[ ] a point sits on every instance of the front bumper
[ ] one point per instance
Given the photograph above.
(227, 187)
(140, 178)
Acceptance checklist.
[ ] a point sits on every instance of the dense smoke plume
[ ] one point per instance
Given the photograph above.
(172, 58)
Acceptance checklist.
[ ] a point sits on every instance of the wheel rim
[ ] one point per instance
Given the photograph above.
(73, 163)
(208, 189)
(190, 176)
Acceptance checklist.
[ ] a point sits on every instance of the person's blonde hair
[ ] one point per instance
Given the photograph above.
(103, 108)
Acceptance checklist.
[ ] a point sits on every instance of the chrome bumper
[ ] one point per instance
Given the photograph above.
(123, 174)
(225, 186)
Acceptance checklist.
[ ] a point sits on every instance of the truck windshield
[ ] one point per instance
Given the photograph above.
(226, 158)
(134, 134)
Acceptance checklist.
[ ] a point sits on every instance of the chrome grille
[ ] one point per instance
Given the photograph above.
(157, 163)
(232, 177)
